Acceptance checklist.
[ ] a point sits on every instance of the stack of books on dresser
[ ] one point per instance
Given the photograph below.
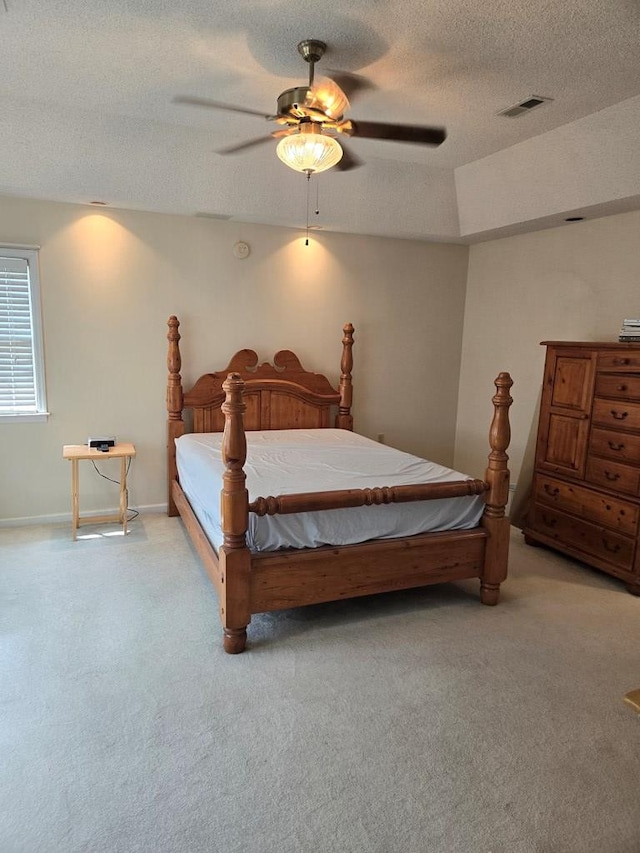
(630, 331)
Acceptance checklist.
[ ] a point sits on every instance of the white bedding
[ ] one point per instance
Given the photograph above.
(316, 460)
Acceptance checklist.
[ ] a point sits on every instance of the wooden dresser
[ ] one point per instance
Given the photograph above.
(586, 486)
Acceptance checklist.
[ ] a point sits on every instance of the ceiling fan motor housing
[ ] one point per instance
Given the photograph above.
(292, 102)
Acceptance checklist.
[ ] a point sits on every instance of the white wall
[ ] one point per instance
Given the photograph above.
(110, 279)
(577, 282)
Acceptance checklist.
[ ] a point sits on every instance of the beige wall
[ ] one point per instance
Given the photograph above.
(576, 282)
(110, 279)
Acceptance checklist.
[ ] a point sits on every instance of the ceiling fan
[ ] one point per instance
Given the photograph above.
(312, 117)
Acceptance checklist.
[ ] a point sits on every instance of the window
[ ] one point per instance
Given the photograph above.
(22, 392)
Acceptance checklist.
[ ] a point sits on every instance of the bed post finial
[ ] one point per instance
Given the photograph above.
(499, 438)
(344, 419)
(174, 363)
(235, 559)
(175, 424)
(494, 518)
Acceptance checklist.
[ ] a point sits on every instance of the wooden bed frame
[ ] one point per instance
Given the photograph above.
(246, 395)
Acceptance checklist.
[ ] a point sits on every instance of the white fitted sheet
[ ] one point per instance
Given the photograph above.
(317, 460)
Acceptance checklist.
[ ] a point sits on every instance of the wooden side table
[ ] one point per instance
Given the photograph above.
(75, 452)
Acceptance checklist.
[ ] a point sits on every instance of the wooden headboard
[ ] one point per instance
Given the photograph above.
(281, 395)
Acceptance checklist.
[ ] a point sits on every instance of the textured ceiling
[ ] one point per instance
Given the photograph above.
(87, 88)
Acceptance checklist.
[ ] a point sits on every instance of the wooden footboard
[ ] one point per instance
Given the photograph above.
(266, 582)
(383, 565)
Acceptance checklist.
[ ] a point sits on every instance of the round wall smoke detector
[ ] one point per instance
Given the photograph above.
(241, 250)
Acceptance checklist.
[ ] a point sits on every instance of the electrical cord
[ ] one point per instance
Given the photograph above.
(135, 512)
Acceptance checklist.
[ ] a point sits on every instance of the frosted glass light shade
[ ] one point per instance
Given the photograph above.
(328, 97)
(309, 150)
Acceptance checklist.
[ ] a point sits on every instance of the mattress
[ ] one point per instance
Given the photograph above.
(281, 462)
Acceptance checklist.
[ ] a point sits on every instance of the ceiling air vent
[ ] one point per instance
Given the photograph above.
(525, 106)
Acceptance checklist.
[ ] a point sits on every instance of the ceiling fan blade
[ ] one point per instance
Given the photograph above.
(348, 160)
(327, 97)
(397, 132)
(352, 84)
(216, 105)
(242, 146)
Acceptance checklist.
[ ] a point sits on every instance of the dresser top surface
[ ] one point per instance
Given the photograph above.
(592, 344)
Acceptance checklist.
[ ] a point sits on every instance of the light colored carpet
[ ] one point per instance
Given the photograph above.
(419, 722)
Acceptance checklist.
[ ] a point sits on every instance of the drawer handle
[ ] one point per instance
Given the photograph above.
(554, 491)
(616, 445)
(621, 361)
(619, 416)
(611, 477)
(621, 387)
(613, 549)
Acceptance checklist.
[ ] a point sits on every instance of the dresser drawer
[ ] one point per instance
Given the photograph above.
(619, 386)
(588, 504)
(615, 445)
(616, 413)
(613, 475)
(619, 361)
(590, 539)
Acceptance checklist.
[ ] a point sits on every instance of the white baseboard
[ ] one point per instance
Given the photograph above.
(65, 517)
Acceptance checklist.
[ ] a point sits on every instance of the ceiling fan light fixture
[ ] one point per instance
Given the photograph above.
(309, 150)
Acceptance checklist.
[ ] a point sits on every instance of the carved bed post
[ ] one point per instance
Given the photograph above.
(344, 419)
(175, 424)
(494, 519)
(234, 556)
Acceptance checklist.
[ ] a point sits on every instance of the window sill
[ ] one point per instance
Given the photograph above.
(25, 418)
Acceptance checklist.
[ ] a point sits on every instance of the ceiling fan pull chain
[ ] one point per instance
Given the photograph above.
(306, 242)
(317, 211)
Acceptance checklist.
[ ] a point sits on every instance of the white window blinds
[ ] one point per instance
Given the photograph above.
(21, 366)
